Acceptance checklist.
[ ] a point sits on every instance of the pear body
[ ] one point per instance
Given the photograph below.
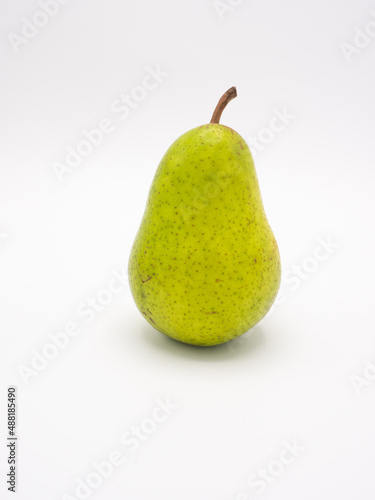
(205, 267)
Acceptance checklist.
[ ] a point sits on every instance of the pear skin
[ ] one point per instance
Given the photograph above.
(205, 266)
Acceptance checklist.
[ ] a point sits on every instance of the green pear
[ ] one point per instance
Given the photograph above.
(205, 267)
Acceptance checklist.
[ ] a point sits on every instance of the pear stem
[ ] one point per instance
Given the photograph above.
(224, 99)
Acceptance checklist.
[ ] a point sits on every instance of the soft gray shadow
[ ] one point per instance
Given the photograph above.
(245, 345)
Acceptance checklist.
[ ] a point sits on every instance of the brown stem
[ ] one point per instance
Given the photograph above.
(224, 99)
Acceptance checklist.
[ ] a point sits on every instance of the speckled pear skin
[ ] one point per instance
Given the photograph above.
(205, 266)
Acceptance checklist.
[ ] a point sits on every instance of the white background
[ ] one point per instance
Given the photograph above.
(305, 374)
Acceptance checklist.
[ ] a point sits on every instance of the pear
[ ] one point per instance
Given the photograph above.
(205, 267)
